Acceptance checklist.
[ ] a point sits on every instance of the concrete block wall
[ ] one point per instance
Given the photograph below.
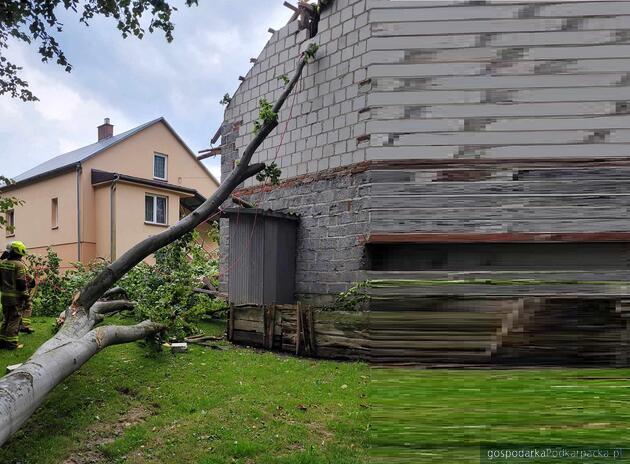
(333, 218)
(319, 124)
(452, 83)
(497, 80)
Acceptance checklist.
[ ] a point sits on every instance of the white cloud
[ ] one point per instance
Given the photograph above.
(64, 118)
(132, 81)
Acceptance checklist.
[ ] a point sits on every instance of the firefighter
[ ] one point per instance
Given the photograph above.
(15, 294)
(27, 312)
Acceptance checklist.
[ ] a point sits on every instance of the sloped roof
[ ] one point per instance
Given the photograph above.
(76, 156)
(72, 158)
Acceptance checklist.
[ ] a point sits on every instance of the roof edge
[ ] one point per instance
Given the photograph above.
(46, 175)
(99, 177)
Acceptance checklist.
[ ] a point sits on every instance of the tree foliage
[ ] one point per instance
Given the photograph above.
(163, 291)
(36, 22)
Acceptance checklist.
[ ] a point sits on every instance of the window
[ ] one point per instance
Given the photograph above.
(10, 223)
(54, 213)
(155, 208)
(159, 166)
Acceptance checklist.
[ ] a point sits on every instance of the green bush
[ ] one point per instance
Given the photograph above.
(163, 291)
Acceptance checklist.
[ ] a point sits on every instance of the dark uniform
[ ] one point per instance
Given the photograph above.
(15, 295)
(27, 310)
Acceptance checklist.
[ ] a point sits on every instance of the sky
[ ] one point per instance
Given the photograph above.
(133, 81)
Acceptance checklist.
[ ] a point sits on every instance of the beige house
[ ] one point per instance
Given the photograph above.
(99, 200)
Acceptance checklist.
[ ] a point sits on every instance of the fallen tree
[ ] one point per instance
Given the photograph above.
(24, 390)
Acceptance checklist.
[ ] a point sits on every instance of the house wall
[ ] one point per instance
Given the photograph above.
(497, 81)
(33, 218)
(469, 119)
(129, 213)
(134, 157)
(322, 119)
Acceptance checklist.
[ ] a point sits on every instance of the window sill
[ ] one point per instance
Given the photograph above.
(161, 179)
(157, 224)
(54, 228)
(10, 235)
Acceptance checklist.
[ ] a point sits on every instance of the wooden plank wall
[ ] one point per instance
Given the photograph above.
(441, 331)
(452, 80)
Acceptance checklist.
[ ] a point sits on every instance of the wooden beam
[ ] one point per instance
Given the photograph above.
(208, 153)
(291, 7)
(216, 135)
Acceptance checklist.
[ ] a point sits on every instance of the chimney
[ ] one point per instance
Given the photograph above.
(105, 130)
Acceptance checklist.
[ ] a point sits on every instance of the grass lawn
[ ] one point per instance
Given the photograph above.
(238, 405)
(206, 406)
(442, 416)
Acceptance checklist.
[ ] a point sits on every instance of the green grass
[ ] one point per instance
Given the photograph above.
(238, 405)
(207, 406)
(442, 416)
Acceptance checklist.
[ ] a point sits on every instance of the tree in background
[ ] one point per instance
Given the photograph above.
(36, 22)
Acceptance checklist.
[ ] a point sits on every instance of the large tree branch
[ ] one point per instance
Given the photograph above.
(25, 389)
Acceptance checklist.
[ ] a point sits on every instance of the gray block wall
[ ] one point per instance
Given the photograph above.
(453, 117)
(320, 123)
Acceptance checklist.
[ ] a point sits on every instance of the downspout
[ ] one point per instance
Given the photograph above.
(79, 170)
(112, 219)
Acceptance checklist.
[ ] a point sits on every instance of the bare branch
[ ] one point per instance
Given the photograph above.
(116, 334)
(252, 170)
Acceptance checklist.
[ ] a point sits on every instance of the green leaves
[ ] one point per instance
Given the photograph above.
(225, 100)
(163, 291)
(37, 22)
(309, 53)
(266, 115)
(284, 78)
(271, 172)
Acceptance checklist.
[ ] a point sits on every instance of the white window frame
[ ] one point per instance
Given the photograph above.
(154, 220)
(54, 213)
(10, 214)
(161, 155)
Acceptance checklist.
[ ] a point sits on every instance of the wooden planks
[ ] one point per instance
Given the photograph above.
(438, 330)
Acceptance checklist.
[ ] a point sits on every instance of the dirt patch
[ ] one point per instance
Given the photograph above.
(102, 433)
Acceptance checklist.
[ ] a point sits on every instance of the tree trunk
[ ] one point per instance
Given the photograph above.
(24, 390)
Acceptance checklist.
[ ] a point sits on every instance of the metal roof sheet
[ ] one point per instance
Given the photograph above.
(76, 156)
